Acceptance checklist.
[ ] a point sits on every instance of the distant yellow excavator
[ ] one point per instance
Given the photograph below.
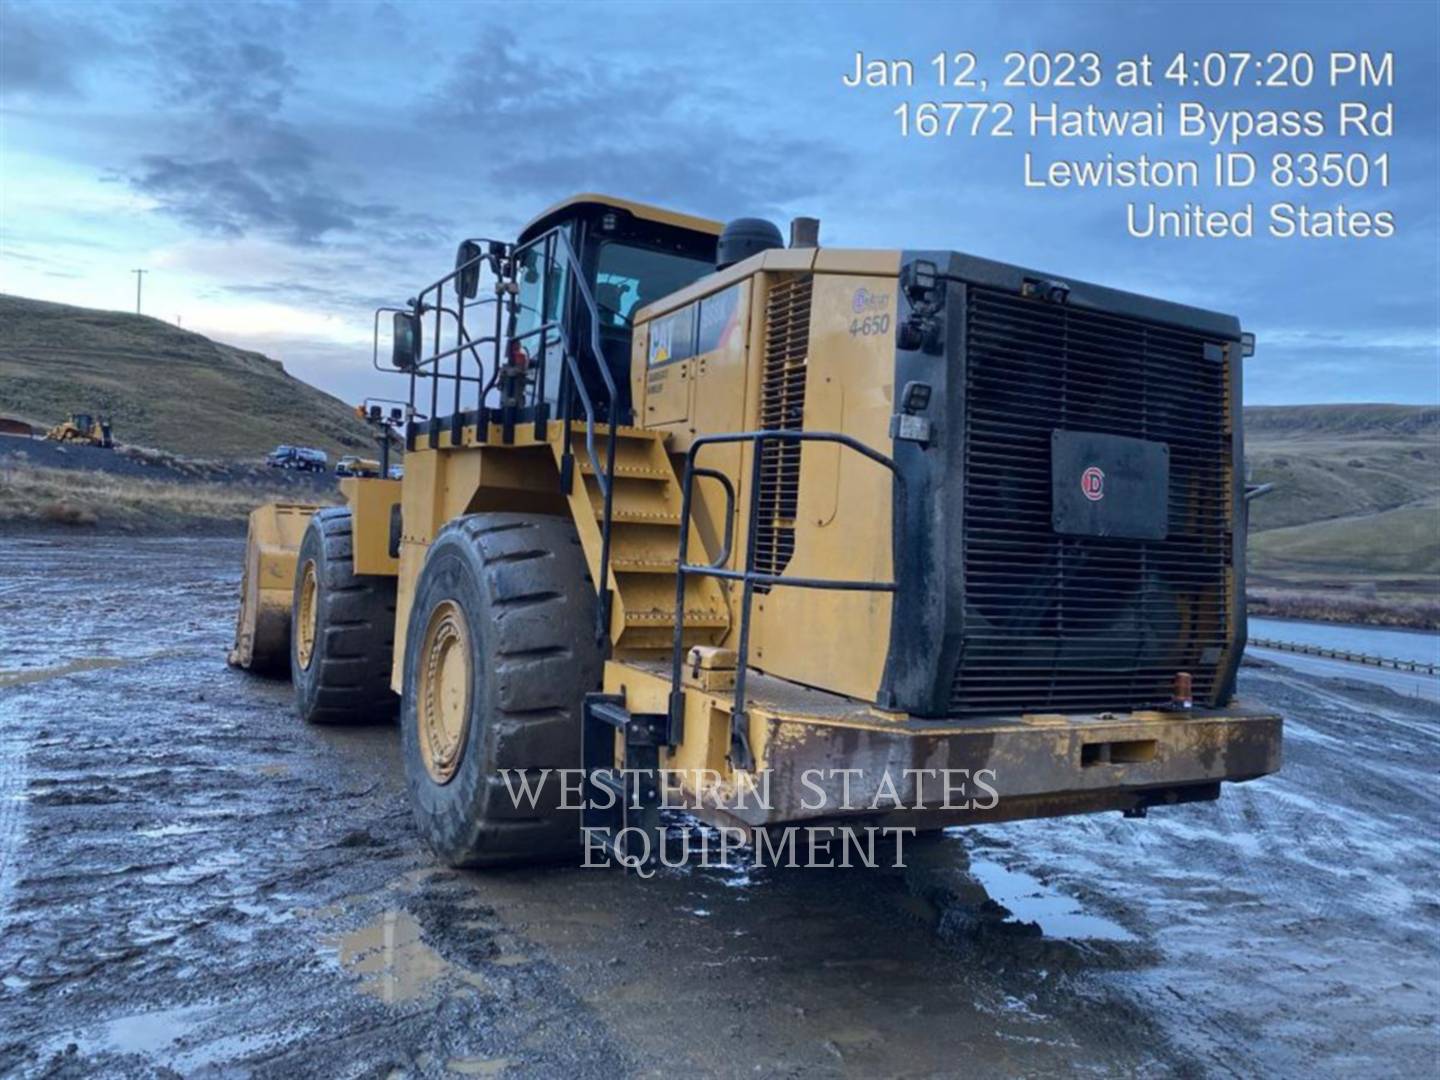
(85, 429)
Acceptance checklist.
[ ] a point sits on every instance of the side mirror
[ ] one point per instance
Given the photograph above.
(467, 263)
(405, 349)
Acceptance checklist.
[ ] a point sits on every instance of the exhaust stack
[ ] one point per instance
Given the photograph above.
(805, 232)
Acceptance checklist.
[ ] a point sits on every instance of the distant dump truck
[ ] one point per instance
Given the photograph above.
(847, 524)
(84, 429)
(353, 465)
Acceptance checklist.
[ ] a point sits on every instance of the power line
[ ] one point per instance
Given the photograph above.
(139, 277)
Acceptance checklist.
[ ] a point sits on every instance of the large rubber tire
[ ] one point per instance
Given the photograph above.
(519, 585)
(342, 676)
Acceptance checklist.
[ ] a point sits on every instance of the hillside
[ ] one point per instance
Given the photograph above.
(164, 387)
(1356, 505)
(1336, 461)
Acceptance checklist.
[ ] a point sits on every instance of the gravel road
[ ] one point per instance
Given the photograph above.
(41, 453)
(192, 883)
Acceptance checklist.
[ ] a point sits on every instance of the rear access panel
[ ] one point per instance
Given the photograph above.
(1109, 485)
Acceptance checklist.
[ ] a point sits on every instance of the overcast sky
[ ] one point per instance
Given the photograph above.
(282, 169)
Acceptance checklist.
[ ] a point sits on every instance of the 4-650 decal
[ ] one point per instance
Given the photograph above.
(872, 313)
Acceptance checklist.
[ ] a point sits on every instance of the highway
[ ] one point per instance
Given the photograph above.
(1407, 684)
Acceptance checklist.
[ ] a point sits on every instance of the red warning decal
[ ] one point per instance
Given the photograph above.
(1092, 483)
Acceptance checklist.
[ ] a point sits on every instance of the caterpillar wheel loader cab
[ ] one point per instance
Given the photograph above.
(845, 528)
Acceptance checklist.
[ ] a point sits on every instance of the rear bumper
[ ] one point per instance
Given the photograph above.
(978, 771)
(823, 758)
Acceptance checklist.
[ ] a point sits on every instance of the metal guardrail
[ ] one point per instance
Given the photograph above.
(748, 576)
(1417, 666)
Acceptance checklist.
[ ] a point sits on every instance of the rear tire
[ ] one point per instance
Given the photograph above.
(342, 629)
(499, 652)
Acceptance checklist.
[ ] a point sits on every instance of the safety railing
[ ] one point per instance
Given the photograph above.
(561, 278)
(748, 576)
(432, 300)
(557, 251)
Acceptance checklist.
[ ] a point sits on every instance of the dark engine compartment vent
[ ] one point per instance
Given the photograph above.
(782, 408)
(1078, 623)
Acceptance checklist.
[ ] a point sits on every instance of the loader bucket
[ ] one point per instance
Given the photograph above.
(262, 625)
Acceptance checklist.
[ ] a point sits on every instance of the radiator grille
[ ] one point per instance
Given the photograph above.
(1079, 623)
(782, 408)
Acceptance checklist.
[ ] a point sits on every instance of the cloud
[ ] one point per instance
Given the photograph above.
(642, 127)
(319, 295)
(243, 162)
(222, 58)
(235, 165)
(44, 56)
(232, 198)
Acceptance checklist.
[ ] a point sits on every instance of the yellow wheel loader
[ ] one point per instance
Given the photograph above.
(83, 428)
(777, 535)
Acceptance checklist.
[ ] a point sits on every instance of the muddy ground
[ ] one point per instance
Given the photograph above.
(191, 883)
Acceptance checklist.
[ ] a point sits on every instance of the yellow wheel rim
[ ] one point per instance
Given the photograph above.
(309, 615)
(443, 696)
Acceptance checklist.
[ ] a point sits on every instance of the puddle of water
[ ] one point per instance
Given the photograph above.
(272, 914)
(174, 1036)
(147, 1033)
(477, 1066)
(91, 663)
(72, 667)
(1057, 915)
(159, 832)
(393, 963)
(191, 873)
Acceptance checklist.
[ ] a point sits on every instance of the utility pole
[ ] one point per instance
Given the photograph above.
(139, 277)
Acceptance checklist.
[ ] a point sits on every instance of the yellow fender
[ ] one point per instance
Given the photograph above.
(267, 586)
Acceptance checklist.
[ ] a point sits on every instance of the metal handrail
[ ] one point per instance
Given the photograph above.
(749, 576)
(558, 244)
(492, 253)
(564, 248)
(559, 254)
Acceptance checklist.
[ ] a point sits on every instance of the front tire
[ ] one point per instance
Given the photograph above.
(342, 629)
(499, 652)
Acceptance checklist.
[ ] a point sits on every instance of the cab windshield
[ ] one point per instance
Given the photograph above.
(628, 277)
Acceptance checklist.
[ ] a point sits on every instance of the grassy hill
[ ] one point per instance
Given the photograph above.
(164, 387)
(1333, 461)
(1356, 506)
